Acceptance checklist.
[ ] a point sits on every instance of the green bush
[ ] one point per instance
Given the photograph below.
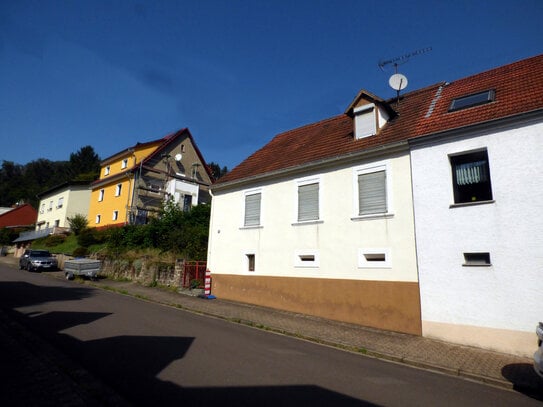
(54, 240)
(183, 234)
(86, 237)
(7, 236)
(78, 223)
(80, 252)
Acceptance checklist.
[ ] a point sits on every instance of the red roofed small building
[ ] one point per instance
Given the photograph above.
(418, 214)
(22, 216)
(320, 220)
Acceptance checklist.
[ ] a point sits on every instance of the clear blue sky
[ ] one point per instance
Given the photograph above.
(112, 73)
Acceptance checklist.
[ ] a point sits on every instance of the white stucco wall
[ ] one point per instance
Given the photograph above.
(335, 241)
(473, 304)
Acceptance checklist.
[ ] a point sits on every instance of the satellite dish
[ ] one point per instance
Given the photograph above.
(178, 157)
(398, 82)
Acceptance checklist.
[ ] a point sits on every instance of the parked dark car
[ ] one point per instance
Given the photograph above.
(538, 355)
(34, 260)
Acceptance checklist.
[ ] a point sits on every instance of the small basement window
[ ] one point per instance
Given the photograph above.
(307, 258)
(378, 257)
(250, 262)
(477, 259)
(374, 258)
(475, 99)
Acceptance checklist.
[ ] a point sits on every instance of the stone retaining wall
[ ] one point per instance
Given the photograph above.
(144, 271)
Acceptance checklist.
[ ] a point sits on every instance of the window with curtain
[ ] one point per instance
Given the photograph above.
(308, 202)
(372, 193)
(252, 209)
(471, 177)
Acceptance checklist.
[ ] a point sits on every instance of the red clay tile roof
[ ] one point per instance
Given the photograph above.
(328, 139)
(518, 87)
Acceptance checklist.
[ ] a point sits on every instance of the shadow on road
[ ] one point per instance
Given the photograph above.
(524, 380)
(130, 364)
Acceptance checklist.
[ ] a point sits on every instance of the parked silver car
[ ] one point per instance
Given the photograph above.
(538, 355)
(34, 260)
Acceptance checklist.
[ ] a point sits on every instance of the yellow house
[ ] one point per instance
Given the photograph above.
(135, 182)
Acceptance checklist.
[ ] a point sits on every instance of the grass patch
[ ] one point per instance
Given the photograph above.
(141, 297)
(67, 246)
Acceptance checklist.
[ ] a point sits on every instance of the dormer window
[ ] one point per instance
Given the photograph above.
(475, 99)
(365, 121)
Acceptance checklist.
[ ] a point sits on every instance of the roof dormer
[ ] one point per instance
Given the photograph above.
(370, 113)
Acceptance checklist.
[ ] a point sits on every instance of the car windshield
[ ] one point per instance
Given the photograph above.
(40, 254)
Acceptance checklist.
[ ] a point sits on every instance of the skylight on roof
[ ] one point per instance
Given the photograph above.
(472, 100)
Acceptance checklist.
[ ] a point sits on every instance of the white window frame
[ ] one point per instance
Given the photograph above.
(367, 169)
(107, 170)
(115, 215)
(98, 219)
(245, 195)
(365, 255)
(118, 189)
(60, 202)
(316, 179)
(124, 163)
(300, 254)
(101, 195)
(457, 192)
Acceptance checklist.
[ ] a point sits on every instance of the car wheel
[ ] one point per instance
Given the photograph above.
(29, 267)
(68, 276)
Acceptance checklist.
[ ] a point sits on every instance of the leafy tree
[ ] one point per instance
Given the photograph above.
(7, 236)
(84, 164)
(11, 190)
(21, 183)
(77, 223)
(217, 171)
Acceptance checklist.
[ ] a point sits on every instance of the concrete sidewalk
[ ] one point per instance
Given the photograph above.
(504, 370)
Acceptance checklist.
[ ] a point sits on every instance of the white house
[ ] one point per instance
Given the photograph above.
(320, 220)
(477, 169)
(61, 202)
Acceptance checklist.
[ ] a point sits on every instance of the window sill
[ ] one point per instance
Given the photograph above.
(463, 204)
(476, 265)
(251, 227)
(374, 216)
(307, 222)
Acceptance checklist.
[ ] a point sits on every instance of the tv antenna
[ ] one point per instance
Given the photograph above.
(402, 59)
(398, 81)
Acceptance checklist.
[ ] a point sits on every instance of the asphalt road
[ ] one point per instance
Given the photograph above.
(157, 355)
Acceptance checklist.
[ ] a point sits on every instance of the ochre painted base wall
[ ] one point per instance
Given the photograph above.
(393, 306)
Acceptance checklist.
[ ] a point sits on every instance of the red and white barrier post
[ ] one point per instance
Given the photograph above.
(207, 285)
